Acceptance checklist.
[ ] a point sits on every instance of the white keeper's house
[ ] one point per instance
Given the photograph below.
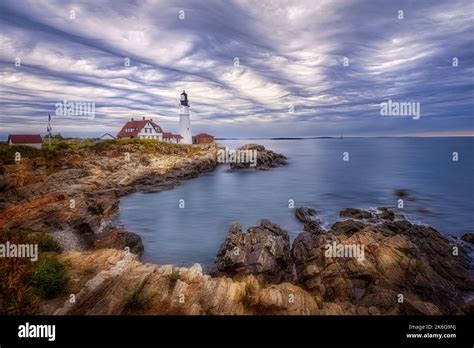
(146, 129)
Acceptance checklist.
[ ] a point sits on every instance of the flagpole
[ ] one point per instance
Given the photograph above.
(49, 130)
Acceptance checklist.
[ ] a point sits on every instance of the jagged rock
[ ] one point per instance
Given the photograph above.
(468, 237)
(413, 307)
(347, 227)
(399, 259)
(108, 282)
(308, 217)
(356, 213)
(386, 214)
(102, 204)
(263, 251)
(305, 214)
(266, 159)
(119, 239)
(467, 308)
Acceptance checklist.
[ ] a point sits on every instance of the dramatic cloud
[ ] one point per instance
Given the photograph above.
(333, 62)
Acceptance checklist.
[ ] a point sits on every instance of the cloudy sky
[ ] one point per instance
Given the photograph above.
(333, 61)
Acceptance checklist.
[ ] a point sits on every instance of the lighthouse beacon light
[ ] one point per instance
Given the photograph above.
(184, 120)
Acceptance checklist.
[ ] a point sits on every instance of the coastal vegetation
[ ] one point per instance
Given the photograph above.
(138, 301)
(174, 276)
(49, 278)
(65, 146)
(25, 283)
(58, 155)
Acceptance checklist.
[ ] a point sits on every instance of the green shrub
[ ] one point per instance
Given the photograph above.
(46, 243)
(137, 300)
(49, 278)
(23, 282)
(174, 276)
(7, 153)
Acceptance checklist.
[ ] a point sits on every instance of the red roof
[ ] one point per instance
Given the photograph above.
(203, 135)
(137, 126)
(25, 139)
(168, 135)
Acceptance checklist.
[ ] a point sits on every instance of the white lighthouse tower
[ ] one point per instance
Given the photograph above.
(184, 121)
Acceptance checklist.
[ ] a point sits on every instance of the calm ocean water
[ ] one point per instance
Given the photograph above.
(440, 192)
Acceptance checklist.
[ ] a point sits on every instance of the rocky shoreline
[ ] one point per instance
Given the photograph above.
(76, 203)
(406, 269)
(403, 268)
(369, 263)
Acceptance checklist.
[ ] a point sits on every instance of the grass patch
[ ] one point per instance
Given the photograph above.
(17, 296)
(141, 145)
(174, 276)
(50, 152)
(137, 300)
(24, 283)
(192, 150)
(59, 148)
(49, 277)
(46, 243)
(7, 153)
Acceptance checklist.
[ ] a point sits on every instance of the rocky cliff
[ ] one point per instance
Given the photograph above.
(404, 269)
(74, 193)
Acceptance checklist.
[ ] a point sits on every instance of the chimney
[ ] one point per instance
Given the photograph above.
(143, 118)
(151, 120)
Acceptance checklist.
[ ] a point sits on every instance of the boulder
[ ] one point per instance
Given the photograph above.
(468, 237)
(263, 251)
(354, 213)
(118, 238)
(266, 159)
(305, 214)
(385, 214)
(308, 217)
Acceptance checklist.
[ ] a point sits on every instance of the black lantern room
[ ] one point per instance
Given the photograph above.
(184, 98)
